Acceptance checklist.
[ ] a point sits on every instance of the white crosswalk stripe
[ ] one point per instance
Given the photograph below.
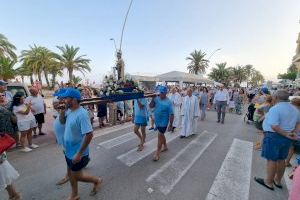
(172, 172)
(233, 179)
(117, 141)
(133, 156)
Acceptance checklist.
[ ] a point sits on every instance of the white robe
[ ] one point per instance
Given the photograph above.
(190, 112)
(176, 102)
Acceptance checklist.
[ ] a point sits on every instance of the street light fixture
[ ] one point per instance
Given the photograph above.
(113, 39)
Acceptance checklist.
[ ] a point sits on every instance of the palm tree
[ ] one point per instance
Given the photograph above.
(238, 74)
(55, 69)
(256, 78)
(23, 71)
(71, 61)
(197, 62)
(6, 48)
(76, 79)
(220, 73)
(249, 69)
(39, 59)
(7, 70)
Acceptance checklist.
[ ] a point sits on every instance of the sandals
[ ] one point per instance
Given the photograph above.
(62, 181)
(74, 198)
(164, 150)
(262, 182)
(96, 187)
(140, 148)
(155, 158)
(277, 185)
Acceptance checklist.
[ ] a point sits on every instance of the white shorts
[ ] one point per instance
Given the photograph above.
(26, 125)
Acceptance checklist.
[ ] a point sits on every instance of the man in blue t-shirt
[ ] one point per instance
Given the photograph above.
(164, 117)
(140, 119)
(77, 137)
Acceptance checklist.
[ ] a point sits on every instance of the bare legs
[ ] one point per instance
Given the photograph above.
(275, 172)
(160, 144)
(12, 193)
(141, 135)
(81, 176)
(26, 134)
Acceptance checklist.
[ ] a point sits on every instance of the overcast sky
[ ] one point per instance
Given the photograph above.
(160, 33)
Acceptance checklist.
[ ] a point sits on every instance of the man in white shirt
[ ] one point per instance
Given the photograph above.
(221, 100)
(38, 109)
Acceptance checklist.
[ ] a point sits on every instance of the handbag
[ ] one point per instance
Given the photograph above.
(6, 142)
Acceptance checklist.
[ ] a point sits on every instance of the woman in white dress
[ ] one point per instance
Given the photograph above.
(25, 121)
(8, 174)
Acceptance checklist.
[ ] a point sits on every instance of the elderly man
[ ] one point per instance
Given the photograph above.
(190, 112)
(3, 90)
(221, 100)
(280, 130)
(38, 109)
(176, 100)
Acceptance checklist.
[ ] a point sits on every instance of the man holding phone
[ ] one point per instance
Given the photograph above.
(280, 130)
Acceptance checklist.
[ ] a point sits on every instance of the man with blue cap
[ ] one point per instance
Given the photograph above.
(164, 117)
(77, 137)
(3, 89)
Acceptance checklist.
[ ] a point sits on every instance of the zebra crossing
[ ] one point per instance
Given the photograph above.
(234, 174)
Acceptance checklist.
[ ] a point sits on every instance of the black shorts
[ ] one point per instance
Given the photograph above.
(40, 118)
(162, 130)
(78, 166)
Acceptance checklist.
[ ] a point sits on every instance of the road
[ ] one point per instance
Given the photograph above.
(217, 163)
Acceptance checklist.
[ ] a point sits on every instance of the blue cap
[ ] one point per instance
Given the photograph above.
(265, 90)
(72, 93)
(3, 83)
(163, 90)
(59, 92)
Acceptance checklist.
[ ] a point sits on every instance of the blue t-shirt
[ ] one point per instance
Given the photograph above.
(59, 130)
(140, 115)
(78, 124)
(163, 110)
(283, 114)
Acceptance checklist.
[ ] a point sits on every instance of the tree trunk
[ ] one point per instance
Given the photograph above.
(31, 79)
(53, 80)
(22, 77)
(70, 70)
(47, 79)
(40, 78)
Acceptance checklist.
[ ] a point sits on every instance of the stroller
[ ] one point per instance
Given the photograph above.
(250, 113)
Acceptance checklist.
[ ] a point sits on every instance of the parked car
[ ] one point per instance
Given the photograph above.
(18, 87)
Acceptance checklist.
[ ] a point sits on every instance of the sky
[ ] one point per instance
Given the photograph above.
(159, 34)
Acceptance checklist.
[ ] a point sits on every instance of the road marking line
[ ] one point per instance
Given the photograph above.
(166, 177)
(233, 179)
(133, 156)
(109, 144)
(100, 132)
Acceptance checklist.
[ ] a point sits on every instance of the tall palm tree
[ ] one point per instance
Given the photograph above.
(249, 69)
(220, 73)
(71, 61)
(7, 70)
(76, 79)
(55, 69)
(24, 71)
(198, 63)
(238, 74)
(6, 48)
(39, 58)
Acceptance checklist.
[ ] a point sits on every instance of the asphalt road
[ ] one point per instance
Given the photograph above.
(217, 163)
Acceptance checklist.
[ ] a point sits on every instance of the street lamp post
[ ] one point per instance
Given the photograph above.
(113, 39)
(125, 20)
(213, 53)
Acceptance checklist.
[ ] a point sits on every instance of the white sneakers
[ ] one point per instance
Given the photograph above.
(27, 149)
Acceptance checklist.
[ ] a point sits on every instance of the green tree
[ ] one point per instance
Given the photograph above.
(76, 79)
(40, 59)
(71, 61)
(24, 71)
(55, 69)
(256, 78)
(7, 49)
(198, 63)
(249, 70)
(220, 73)
(238, 74)
(289, 75)
(7, 70)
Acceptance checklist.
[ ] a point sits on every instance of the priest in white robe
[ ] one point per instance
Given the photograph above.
(176, 100)
(190, 112)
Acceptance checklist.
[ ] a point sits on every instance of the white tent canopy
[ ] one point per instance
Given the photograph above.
(182, 77)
